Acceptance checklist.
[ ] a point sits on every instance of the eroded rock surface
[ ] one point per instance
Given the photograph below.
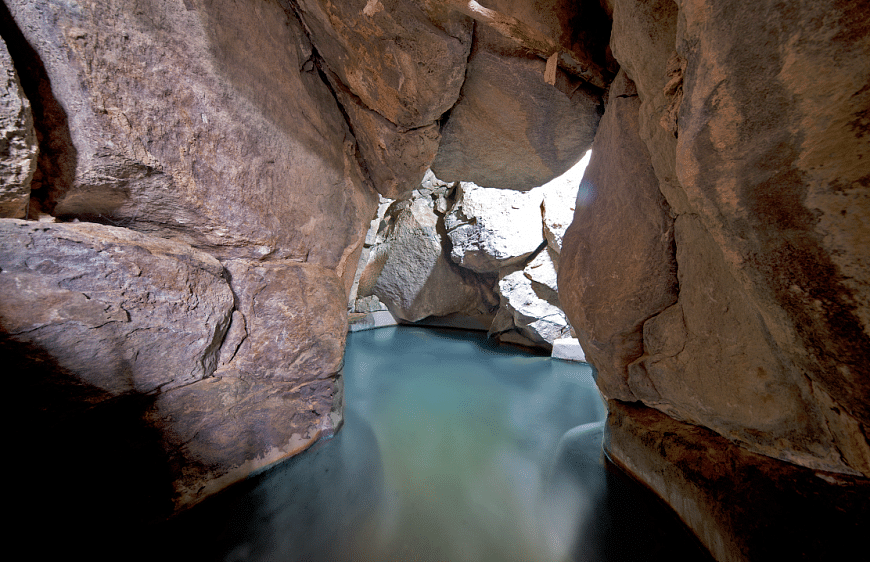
(18, 146)
(122, 311)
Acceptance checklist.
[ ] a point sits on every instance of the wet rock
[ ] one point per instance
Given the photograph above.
(18, 146)
(120, 311)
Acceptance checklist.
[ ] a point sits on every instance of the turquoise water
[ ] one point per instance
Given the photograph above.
(453, 449)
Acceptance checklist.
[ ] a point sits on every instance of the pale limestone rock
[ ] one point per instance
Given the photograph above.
(530, 303)
(493, 228)
(18, 146)
(414, 276)
(568, 349)
(117, 310)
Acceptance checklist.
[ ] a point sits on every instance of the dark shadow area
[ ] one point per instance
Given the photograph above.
(56, 164)
(87, 470)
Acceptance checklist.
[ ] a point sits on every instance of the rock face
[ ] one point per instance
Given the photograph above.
(492, 228)
(204, 140)
(763, 336)
(124, 312)
(18, 146)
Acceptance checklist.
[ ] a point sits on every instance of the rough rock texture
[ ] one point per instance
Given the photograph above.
(493, 228)
(221, 138)
(397, 67)
(742, 505)
(530, 302)
(511, 129)
(753, 117)
(414, 276)
(277, 389)
(617, 266)
(18, 146)
(123, 312)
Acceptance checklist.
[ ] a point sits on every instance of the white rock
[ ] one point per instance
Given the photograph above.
(568, 349)
(493, 228)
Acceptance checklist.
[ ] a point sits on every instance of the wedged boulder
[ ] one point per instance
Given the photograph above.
(222, 138)
(530, 302)
(510, 128)
(404, 60)
(278, 388)
(617, 266)
(414, 276)
(493, 228)
(18, 145)
(121, 312)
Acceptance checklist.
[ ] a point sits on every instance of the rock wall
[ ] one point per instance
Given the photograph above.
(731, 168)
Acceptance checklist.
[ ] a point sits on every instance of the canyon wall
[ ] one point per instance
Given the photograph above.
(198, 177)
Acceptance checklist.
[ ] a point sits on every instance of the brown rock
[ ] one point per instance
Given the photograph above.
(617, 265)
(18, 146)
(120, 311)
(510, 128)
(741, 505)
(404, 61)
(220, 138)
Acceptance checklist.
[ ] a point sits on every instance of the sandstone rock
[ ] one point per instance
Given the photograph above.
(222, 138)
(617, 266)
(404, 62)
(781, 184)
(415, 279)
(741, 505)
(760, 403)
(510, 129)
(18, 146)
(493, 228)
(278, 390)
(121, 311)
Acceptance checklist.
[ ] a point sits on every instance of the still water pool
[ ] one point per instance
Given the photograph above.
(453, 449)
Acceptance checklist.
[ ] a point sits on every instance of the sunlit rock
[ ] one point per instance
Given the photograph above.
(493, 228)
(18, 146)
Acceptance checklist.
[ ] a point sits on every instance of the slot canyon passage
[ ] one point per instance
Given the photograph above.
(195, 192)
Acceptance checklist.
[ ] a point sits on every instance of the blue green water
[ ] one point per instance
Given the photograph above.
(453, 449)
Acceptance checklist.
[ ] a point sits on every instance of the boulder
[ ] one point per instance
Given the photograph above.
(415, 278)
(530, 302)
(617, 264)
(493, 228)
(18, 146)
(120, 311)
(510, 128)
(277, 389)
(222, 138)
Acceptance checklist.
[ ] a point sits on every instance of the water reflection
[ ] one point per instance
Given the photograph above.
(453, 449)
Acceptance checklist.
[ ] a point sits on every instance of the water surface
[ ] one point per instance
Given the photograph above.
(453, 449)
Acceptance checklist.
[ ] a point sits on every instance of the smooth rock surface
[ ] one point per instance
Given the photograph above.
(568, 349)
(617, 266)
(743, 506)
(510, 129)
(415, 278)
(18, 145)
(121, 312)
